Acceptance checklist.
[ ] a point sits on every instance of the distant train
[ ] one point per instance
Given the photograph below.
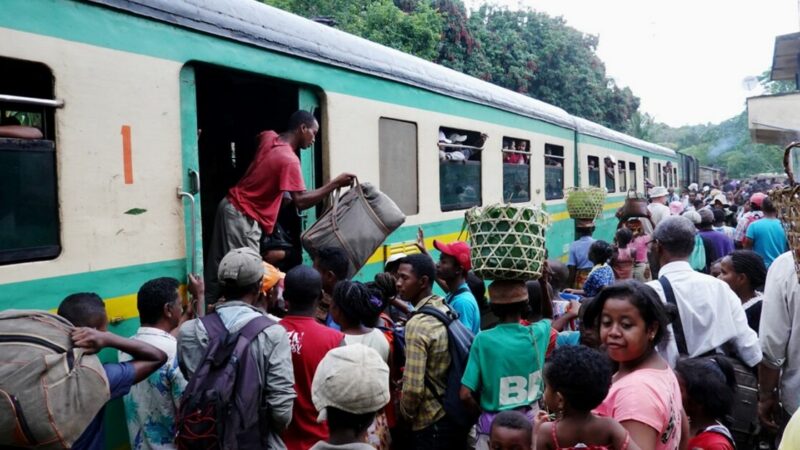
(140, 100)
(692, 172)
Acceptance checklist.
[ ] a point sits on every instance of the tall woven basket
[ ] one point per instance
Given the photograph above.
(787, 202)
(585, 202)
(507, 241)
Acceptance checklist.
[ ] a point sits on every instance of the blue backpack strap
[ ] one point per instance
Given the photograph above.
(438, 314)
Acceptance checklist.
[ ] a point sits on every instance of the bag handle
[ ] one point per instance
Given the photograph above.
(786, 164)
(677, 325)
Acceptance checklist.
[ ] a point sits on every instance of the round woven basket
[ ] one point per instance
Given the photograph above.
(585, 202)
(507, 241)
(787, 202)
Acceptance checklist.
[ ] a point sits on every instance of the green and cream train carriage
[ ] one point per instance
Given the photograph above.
(142, 100)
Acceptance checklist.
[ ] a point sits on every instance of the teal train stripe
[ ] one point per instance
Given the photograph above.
(47, 293)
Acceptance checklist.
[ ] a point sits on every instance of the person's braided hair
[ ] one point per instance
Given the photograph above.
(357, 302)
(751, 264)
(385, 284)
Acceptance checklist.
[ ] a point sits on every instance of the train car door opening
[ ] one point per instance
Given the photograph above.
(232, 108)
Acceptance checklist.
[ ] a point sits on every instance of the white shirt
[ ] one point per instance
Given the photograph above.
(375, 340)
(711, 314)
(780, 327)
(658, 212)
(151, 406)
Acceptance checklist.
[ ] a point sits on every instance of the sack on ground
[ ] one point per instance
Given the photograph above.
(49, 390)
(358, 221)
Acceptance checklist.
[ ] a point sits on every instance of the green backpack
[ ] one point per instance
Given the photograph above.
(49, 390)
(698, 257)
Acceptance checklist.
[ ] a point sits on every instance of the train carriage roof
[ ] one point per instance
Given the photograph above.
(255, 23)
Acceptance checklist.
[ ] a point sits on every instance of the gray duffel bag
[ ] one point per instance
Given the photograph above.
(357, 221)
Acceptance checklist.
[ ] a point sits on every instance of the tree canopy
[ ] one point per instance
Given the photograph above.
(540, 56)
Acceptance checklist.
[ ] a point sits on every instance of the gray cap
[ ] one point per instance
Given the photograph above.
(242, 266)
(693, 216)
(352, 378)
(706, 216)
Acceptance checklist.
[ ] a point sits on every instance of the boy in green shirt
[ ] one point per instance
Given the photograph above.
(510, 379)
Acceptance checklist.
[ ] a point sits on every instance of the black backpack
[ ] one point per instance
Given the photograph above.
(459, 341)
(221, 406)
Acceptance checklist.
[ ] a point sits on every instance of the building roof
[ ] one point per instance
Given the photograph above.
(255, 23)
(784, 58)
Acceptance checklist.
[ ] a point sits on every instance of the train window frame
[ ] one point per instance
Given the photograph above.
(675, 177)
(646, 167)
(589, 170)
(657, 170)
(460, 157)
(399, 163)
(551, 155)
(34, 220)
(513, 157)
(634, 184)
(622, 175)
(610, 176)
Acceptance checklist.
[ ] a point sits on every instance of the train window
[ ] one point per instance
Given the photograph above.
(398, 163)
(594, 171)
(553, 171)
(29, 221)
(657, 174)
(674, 176)
(646, 167)
(611, 184)
(516, 170)
(634, 184)
(460, 168)
(623, 175)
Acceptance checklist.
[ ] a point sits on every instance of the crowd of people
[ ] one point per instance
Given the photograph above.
(634, 344)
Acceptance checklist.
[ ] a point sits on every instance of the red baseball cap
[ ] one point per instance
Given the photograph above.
(458, 250)
(758, 198)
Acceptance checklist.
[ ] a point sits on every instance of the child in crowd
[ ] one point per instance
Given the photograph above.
(716, 268)
(490, 382)
(356, 309)
(640, 240)
(707, 388)
(511, 430)
(624, 256)
(350, 385)
(578, 261)
(88, 313)
(601, 275)
(577, 379)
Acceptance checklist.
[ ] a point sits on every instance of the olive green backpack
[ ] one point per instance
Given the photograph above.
(49, 390)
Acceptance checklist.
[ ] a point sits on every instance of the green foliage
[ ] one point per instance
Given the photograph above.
(416, 32)
(727, 145)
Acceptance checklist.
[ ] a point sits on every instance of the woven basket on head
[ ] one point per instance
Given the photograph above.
(585, 202)
(787, 202)
(507, 241)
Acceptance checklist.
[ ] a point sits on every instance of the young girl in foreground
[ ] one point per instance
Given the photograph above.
(577, 379)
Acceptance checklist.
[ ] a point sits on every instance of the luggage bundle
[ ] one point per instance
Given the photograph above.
(585, 203)
(49, 390)
(507, 241)
(787, 202)
(358, 221)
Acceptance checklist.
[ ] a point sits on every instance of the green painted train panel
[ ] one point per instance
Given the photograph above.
(47, 293)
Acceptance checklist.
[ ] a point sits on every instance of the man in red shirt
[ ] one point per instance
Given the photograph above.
(252, 205)
(309, 342)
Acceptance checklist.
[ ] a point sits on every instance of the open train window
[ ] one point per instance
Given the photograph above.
(657, 174)
(674, 177)
(609, 164)
(553, 172)
(460, 153)
(516, 170)
(398, 162)
(623, 175)
(29, 223)
(634, 184)
(593, 164)
(646, 167)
